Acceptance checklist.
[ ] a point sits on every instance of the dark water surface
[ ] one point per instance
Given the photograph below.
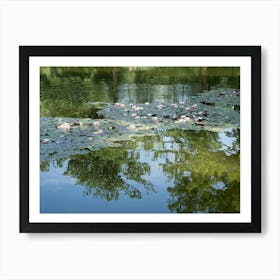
(174, 170)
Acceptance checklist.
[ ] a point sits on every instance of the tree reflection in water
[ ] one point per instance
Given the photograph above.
(201, 170)
(108, 172)
(206, 178)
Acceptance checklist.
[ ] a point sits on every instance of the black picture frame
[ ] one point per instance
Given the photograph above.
(254, 52)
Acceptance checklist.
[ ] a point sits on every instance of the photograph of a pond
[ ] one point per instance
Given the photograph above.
(139, 139)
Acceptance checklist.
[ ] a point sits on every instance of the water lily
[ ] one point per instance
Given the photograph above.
(96, 123)
(160, 106)
(119, 105)
(132, 126)
(100, 131)
(154, 119)
(65, 126)
(181, 121)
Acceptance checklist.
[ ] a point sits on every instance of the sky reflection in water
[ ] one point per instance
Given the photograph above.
(153, 174)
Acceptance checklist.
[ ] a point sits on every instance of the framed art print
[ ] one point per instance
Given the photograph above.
(140, 138)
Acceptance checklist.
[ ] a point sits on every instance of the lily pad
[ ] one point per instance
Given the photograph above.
(62, 137)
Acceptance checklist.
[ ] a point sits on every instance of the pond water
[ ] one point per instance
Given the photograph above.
(139, 140)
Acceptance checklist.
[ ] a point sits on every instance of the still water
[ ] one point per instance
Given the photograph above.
(174, 170)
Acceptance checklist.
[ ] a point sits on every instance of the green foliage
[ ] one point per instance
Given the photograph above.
(107, 172)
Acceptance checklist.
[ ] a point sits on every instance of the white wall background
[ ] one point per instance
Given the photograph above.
(139, 256)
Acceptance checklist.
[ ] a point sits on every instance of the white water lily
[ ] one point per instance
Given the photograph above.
(132, 126)
(65, 126)
(96, 123)
(100, 131)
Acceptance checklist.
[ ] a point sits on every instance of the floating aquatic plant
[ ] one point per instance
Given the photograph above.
(62, 137)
